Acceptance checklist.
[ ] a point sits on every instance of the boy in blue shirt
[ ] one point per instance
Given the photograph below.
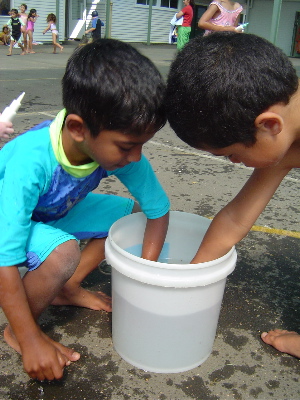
(237, 95)
(96, 26)
(113, 99)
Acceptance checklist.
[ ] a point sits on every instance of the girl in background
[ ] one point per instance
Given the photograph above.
(184, 30)
(221, 15)
(51, 19)
(31, 20)
(23, 17)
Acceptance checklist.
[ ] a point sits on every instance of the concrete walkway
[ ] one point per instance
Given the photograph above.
(262, 292)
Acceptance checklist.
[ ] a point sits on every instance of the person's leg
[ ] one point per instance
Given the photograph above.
(180, 42)
(284, 341)
(42, 285)
(55, 44)
(72, 293)
(91, 218)
(22, 48)
(30, 40)
(12, 43)
(24, 38)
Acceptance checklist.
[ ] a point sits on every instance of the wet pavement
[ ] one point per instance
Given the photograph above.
(261, 293)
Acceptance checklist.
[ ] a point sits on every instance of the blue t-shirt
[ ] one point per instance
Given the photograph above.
(34, 186)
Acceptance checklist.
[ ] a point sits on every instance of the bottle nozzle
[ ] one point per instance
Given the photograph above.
(20, 98)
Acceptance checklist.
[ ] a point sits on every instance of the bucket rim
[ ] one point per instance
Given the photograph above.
(161, 265)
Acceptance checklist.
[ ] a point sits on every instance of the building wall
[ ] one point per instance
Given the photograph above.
(130, 22)
(260, 18)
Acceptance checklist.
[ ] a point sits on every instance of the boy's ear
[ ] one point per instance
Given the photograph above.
(269, 122)
(76, 127)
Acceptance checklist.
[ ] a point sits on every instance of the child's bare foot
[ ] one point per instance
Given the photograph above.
(284, 341)
(61, 49)
(23, 53)
(11, 340)
(31, 52)
(83, 298)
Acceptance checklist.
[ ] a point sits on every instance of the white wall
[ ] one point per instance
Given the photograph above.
(130, 22)
(260, 18)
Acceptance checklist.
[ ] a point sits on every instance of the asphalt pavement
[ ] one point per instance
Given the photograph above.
(262, 292)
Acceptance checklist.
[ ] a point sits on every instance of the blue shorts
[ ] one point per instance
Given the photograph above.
(90, 218)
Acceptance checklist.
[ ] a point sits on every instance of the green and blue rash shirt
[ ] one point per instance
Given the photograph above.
(34, 185)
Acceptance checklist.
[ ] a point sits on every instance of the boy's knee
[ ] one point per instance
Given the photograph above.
(67, 257)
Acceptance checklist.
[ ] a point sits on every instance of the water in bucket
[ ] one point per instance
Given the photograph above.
(165, 313)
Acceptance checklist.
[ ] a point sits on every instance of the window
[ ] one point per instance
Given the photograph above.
(5, 7)
(145, 2)
(168, 3)
(160, 3)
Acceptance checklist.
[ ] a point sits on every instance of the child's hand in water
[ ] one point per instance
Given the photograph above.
(6, 128)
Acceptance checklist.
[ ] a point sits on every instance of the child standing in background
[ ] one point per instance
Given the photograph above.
(51, 19)
(31, 20)
(23, 17)
(221, 15)
(15, 23)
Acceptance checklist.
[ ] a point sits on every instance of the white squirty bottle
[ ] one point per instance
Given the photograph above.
(241, 27)
(10, 111)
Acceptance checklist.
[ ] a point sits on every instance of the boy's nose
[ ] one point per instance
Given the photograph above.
(234, 159)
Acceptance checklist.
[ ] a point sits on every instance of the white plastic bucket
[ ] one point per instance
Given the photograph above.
(165, 313)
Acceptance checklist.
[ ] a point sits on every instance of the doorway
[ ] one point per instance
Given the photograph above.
(76, 18)
(295, 50)
(199, 11)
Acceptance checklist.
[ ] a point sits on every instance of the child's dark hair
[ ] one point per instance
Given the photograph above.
(15, 11)
(51, 17)
(111, 86)
(31, 12)
(219, 84)
(24, 5)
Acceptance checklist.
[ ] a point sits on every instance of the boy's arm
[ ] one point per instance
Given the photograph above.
(41, 359)
(141, 181)
(235, 220)
(154, 237)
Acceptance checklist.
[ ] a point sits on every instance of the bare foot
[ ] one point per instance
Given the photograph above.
(23, 53)
(61, 49)
(31, 52)
(11, 340)
(54, 52)
(284, 341)
(83, 298)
